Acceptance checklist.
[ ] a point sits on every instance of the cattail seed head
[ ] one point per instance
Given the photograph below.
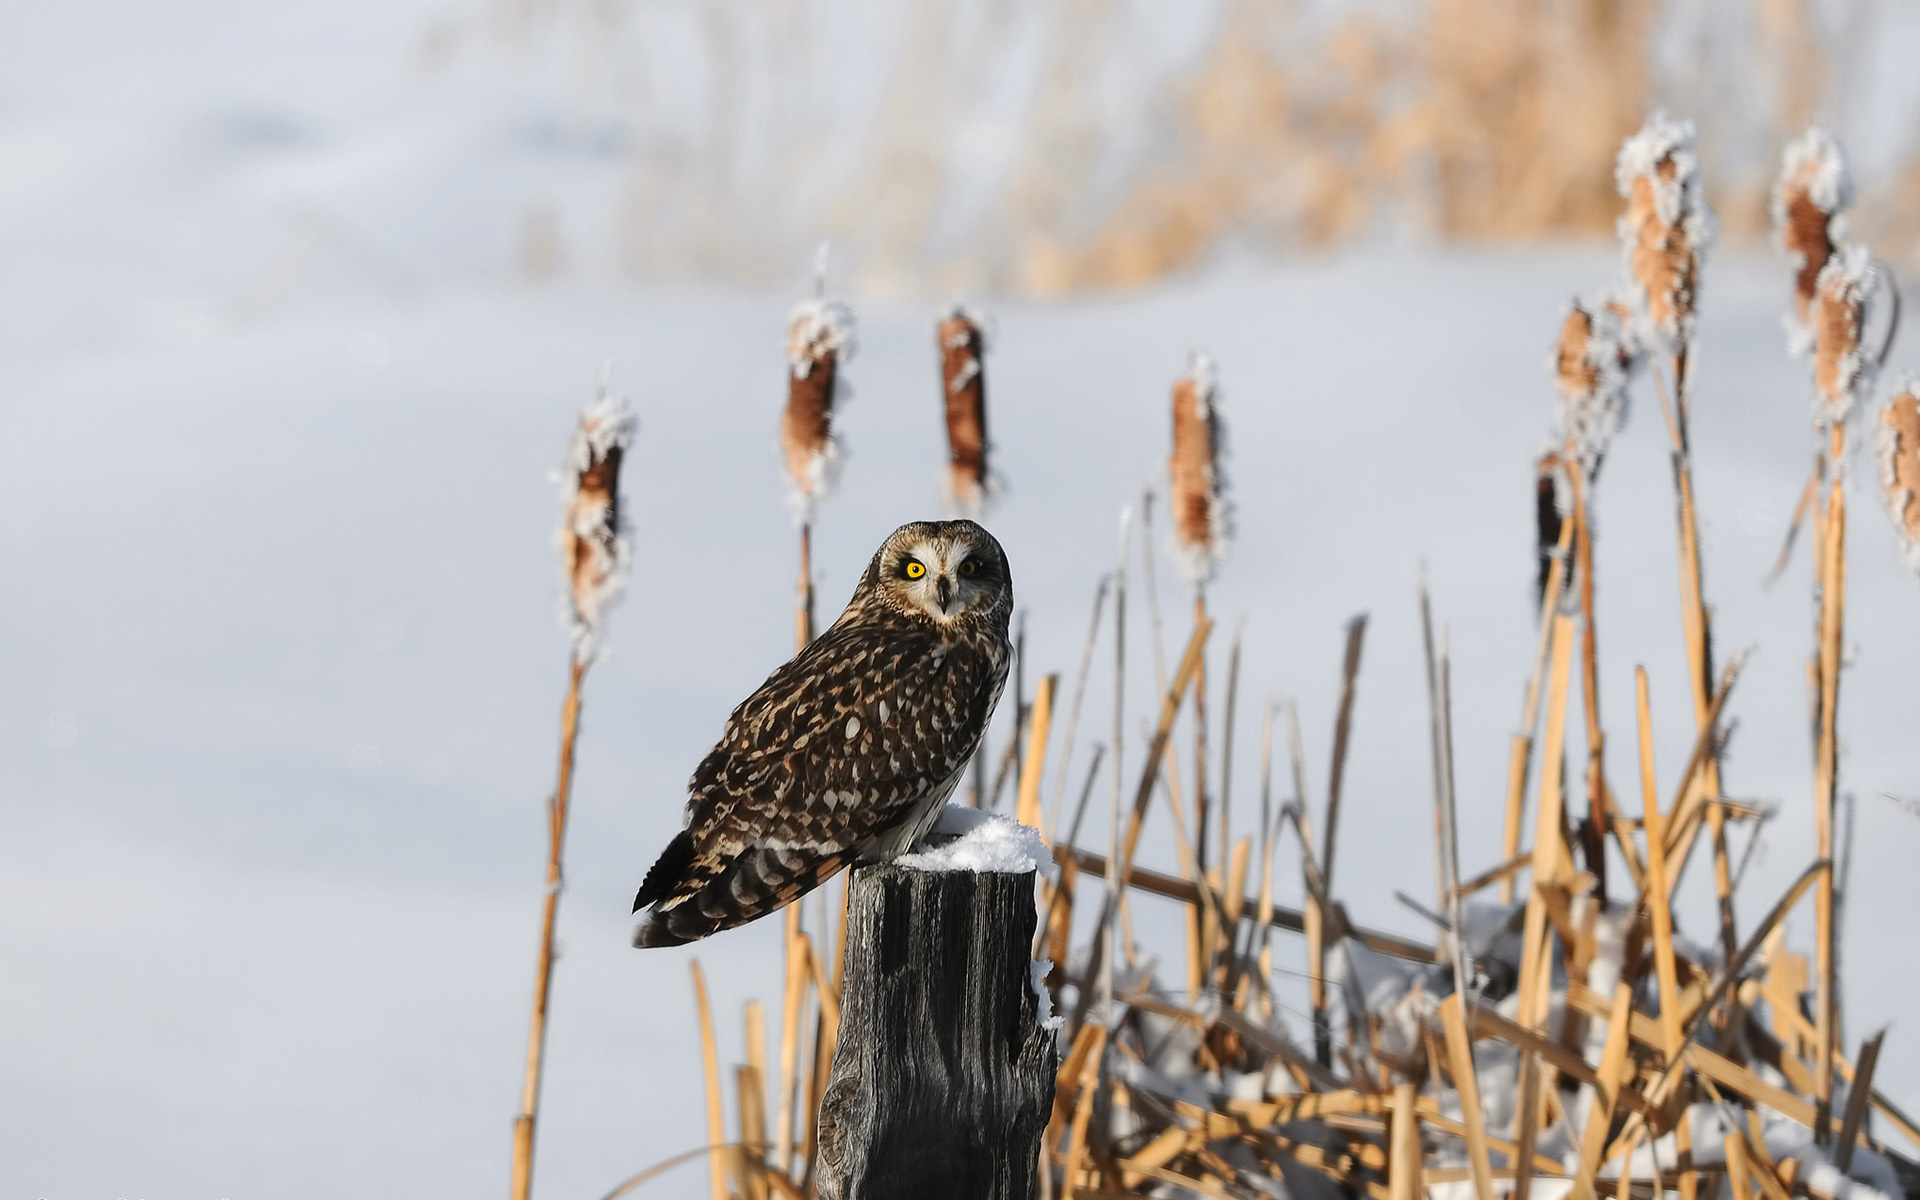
(961, 336)
(1668, 227)
(1809, 202)
(820, 339)
(1197, 484)
(1842, 371)
(594, 546)
(1899, 446)
(1591, 364)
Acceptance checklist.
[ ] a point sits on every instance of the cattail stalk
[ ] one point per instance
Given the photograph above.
(961, 338)
(1668, 229)
(1199, 517)
(594, 556)
(1841, 372)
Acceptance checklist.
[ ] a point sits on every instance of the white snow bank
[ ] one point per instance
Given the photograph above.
(982, 841)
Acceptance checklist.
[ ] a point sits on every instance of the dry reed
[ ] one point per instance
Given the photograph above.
(962, 341)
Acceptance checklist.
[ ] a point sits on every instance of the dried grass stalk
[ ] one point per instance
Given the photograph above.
(962, 339)
(1668, 227)
(820, 339)
(1842, 370)
(1899, 447)
(1197, 488)
(1809, 199)
(594, 547)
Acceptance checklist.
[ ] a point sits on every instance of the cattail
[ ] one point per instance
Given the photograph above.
(820, 337)
(1552, 506)
(1809, 200)
(963, 347)
(1842, 371)
(1668, 227)
(1197, 487)
(1591, 363)
(1899, 445)
(594, 547)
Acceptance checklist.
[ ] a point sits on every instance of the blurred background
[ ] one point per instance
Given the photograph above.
(298, 303)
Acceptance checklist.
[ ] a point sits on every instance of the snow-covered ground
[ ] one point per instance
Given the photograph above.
(279, 669)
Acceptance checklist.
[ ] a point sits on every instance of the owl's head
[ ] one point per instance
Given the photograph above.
(951, 573)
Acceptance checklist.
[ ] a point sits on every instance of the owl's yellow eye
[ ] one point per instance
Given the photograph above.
(915, 570)
(970, 568)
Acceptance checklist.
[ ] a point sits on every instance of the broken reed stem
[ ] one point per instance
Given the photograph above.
(793, 998)
(1535, 950)
(1594, 839)
(1315, 915)
(1826, 774)
(1039, 722)
(1656, 878)
(1226, 735)
(522, 1183)
(1442, 887)
(751, 1081)
(1519, 759)
(1073, 710)
(710, 1061)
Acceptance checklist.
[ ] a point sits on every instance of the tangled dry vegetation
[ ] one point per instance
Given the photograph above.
(1557, 1036)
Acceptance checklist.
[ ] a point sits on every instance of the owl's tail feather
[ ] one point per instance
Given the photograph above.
(696, 895)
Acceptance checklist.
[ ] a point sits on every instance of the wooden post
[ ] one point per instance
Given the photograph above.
(943, 1080)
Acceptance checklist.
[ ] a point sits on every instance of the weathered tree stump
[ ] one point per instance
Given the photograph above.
(943, 1079)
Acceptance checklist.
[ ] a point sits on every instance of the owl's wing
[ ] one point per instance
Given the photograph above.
(839, 746)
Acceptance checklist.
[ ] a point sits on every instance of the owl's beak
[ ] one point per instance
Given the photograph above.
(943, 590)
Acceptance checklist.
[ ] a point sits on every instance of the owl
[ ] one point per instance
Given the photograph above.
(848, 751)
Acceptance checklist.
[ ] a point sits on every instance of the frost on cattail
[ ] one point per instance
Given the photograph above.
(594, 547)
(1668, 227)
(820, 339)
(961, 335)
(1197, 486)
(1842, 370)
(1809, 202)
(1899, 446)
(1591, 363)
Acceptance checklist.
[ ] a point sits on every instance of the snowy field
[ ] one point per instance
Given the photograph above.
(280, 673)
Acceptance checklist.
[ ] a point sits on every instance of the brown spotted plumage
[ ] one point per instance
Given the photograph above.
(848, 751)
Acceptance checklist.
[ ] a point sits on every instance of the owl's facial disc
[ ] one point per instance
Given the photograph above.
(944, 579)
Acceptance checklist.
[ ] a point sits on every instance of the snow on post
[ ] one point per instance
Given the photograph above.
(1197, 486)
(962, 339)
(943, 1076)
(595, 549)
(1842, 369)
(1591, 364)
(1899, 446)
(1668, 227)
(1809, 202)
(820, 339)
